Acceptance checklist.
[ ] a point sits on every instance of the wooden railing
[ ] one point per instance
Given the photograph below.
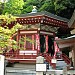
(30, 72)
(48, 58)
(21, 57)
(66, 58)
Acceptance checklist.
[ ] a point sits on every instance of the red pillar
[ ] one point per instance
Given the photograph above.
(25, 43)
(33, 42)
(38, 42)
(56, 47)
(46, 43)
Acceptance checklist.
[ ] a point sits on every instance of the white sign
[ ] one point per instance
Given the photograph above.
(29, 52)
(41, 67)
(1, 65)
(53, 61)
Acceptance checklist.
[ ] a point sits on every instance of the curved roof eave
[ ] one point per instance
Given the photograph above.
(43, 13)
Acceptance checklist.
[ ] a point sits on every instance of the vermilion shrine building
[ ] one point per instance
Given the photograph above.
(42, 28)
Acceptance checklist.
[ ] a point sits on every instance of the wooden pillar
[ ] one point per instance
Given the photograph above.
(38, 42)
(25, 42)
(33, 42)
(46, 43)
(18, 36)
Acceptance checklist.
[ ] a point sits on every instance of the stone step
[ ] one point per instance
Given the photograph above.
(60, 64)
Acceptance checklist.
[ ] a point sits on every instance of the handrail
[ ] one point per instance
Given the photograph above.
(48, 59)
(66, 58)
(19, 56)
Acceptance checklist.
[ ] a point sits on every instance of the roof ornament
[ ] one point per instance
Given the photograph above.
(34, 10)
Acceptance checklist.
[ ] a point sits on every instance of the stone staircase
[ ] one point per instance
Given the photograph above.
(60, 64)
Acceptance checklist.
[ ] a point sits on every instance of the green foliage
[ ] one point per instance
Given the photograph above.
(6, 33)
(59, 6)
(7, 18)
(28, 5)
(48, 6)
(28, 9)
(1, 7)
(13, 6)
(62, 8)
(15, 28)
(21, 41)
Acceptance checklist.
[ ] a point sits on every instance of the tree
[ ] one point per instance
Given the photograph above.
(28, 5)
(6, 33)
(48, 6)
(63, 8)
(13, 7)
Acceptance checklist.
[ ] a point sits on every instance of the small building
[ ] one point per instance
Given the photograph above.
(40, 28)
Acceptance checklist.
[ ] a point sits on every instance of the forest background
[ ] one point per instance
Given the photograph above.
(63, 8)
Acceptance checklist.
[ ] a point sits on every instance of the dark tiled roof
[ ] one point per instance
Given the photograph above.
(44, 13)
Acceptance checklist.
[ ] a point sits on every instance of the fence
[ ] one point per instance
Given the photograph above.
(48, 72)
(20, 72)
(60, 72)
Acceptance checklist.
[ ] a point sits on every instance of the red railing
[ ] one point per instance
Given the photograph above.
(66, 58)
(47, 57)
(16, 57)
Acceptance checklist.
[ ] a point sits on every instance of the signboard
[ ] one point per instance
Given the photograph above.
(53, 61)
(1, 65)
(41, 68)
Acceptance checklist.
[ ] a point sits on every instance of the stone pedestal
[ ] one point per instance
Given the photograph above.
(39, 60)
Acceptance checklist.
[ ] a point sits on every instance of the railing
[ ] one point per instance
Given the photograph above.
(20, 72)
(66, 58)
(48, 72)
(60, 72)
(21, 57)
(48, 58)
